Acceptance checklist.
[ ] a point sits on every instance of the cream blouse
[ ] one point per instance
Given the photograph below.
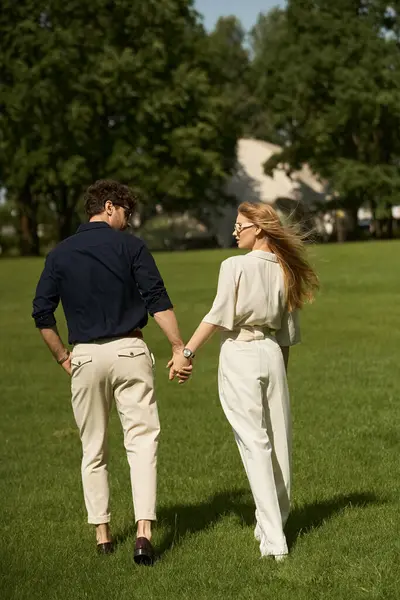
(251, 292)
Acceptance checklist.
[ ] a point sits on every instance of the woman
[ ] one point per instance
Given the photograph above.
(255, 308)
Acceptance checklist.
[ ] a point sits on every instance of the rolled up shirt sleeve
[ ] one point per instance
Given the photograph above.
(223, 309)
(289, 334)
(149, 282)
(47, 297)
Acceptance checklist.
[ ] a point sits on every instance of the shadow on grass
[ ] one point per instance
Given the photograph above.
(310, 516)
(181, 520)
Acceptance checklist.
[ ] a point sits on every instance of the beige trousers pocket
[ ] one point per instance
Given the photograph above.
(131, 352)
(79, 361)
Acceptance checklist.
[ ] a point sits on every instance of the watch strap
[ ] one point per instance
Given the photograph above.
(62, 360)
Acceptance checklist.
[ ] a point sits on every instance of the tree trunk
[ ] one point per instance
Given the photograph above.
(389, 222)
(66, 224)
(355, 233)
(341, 232)
(67, 218)
(390, 228)
(28, 227)
(378, 229)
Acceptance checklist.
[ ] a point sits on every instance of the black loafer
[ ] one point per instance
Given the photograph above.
(143, 553)
(105, 548)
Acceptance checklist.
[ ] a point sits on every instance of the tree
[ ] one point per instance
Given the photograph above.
(230, 67)
(332, 80)
(100, 89)
(263, 123)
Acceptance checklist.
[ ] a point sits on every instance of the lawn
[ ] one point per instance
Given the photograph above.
(344, 531)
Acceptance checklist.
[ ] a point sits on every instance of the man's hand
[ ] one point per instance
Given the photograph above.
(179, 367)
(55, 344)
(67, 366)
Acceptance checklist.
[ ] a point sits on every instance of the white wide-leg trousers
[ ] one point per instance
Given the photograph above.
(255, 398)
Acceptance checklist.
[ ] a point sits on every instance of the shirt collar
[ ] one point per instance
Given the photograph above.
(92, 225)
(264, 255)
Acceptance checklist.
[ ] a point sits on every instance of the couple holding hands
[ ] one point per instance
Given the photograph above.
(108, 283)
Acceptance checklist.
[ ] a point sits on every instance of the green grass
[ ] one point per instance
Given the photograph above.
(345, 387)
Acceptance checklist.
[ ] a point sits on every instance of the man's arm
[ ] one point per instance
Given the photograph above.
(149, 282)
(157, 301)
(45, 303)
(166, 320)
(57, 348)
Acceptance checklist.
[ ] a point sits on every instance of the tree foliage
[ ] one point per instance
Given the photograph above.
(109, 89)
(330, 73)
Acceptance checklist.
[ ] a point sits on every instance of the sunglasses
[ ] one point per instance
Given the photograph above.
(128, 211)
(238, 228)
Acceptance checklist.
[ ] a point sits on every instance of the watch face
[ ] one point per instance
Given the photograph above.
(187, 353)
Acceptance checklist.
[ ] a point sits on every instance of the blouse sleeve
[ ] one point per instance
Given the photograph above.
(222, 312)
(289, 333)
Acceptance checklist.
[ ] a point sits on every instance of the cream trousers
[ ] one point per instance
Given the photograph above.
(121, 370)
(254, 396)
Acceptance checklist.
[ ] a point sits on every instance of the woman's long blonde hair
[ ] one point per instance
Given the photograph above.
(287, 243)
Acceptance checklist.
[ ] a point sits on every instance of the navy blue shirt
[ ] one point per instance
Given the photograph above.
(107, 282)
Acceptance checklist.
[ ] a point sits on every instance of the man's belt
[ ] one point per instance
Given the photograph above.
(136, 333)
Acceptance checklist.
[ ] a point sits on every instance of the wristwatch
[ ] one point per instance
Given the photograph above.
(188, 353)
(62, 360)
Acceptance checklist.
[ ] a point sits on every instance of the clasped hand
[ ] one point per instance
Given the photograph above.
(179, 367)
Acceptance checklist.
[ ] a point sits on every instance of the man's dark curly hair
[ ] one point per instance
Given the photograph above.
(106, 189)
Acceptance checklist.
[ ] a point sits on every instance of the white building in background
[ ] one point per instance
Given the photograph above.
(250, 183)
(298, 193)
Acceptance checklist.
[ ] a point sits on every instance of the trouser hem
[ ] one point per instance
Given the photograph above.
(146, 517)
(99, 520)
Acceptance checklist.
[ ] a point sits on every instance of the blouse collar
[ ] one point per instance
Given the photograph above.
(264, 255)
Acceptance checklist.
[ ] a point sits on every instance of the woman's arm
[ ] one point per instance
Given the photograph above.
(221, 316)
(202, 334)
(285, 354)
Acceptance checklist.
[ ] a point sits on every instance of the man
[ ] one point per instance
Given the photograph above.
(108, 282)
